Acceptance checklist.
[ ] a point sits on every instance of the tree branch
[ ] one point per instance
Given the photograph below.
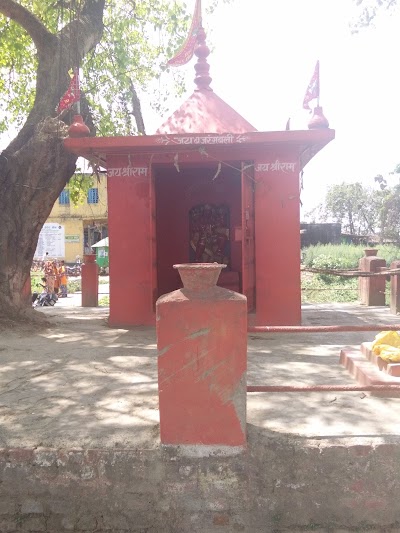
(84, 32)
(137, 110)
(31, 24)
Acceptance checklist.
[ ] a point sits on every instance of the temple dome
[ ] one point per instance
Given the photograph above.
(205, 112)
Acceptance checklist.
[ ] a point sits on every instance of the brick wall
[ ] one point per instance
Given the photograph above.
(279, 484)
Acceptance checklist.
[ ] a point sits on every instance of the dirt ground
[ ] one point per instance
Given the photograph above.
(79, 383)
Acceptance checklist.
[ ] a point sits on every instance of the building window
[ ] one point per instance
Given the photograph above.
(63, 199)
(93, 196)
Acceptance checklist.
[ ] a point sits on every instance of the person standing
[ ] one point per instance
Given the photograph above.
(49, 274)
(63, 280)
(45, 258)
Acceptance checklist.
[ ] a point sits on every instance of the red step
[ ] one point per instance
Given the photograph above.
(366, 372)
(393, 369)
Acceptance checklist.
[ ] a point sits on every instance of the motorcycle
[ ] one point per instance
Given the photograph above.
(74, 270)
(44, 299)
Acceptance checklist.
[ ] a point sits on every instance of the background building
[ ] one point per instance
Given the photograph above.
(86, 223)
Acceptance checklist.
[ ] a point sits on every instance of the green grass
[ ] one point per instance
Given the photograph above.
(344, 255)
(74, 285)
(322, 288)
(316, 290)
(104, 301)
(36, 279)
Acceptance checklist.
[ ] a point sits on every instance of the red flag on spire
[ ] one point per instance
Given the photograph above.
(313, 88)
(185, 53)
(72, 94)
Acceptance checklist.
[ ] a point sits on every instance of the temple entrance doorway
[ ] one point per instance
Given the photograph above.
(200, 217)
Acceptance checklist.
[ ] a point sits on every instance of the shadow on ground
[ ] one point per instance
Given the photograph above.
(81, 383)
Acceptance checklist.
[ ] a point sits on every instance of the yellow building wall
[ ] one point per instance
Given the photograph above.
(75, 218)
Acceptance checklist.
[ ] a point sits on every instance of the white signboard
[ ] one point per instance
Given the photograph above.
(51, 240)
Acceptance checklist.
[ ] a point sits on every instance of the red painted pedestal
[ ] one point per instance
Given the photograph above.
(90, 281)
(395, 289)
(372, 289)
(202, 359)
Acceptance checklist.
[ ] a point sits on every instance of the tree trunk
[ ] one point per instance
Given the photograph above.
(34, 176)
(35, 167)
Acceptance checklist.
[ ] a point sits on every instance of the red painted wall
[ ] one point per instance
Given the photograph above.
(129, 215)
(134, 252)
(277, 243)
(176, 193)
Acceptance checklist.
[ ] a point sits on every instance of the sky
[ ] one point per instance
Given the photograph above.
(263, 56)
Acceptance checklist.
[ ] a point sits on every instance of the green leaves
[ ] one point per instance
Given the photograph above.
(352, 205)
(363, 210)
(17, 73)
(79, 186)
(138, 39)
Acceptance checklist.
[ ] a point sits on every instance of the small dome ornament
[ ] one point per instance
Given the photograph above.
(318, 120)
(78, 128)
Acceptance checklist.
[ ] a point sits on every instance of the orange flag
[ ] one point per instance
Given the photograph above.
(72, 94)
(185, 53)
(313, 88)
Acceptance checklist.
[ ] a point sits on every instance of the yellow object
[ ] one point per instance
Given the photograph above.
(387, 346)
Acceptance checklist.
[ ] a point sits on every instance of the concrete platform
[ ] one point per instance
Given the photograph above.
(81, 383)
(79, 444)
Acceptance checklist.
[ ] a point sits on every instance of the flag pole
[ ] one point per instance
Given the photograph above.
(78, 103)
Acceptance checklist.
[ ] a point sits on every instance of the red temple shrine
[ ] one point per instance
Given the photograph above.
(207, 187)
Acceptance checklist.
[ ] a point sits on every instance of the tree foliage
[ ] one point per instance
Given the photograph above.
(368, 11)
(121, 46)
(346, 203)
(363, 210)
(79, 185)
(138, 39)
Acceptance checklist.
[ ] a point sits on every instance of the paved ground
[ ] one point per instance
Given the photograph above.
(81, 383)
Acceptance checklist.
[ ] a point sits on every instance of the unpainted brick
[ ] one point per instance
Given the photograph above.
(34, 523)
(221, 519)
(31, 507)
(54, 523)
(68, 523)
(8, 524)
(86, 521)
(7, 507)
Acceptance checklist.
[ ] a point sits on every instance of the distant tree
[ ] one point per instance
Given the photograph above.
(369, 10)
(363, 210)
(354, 206)
(389, 214)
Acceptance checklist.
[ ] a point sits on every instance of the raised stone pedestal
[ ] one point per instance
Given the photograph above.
(90, 281)
(395, 289)
(202, 359)
(372, 289)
